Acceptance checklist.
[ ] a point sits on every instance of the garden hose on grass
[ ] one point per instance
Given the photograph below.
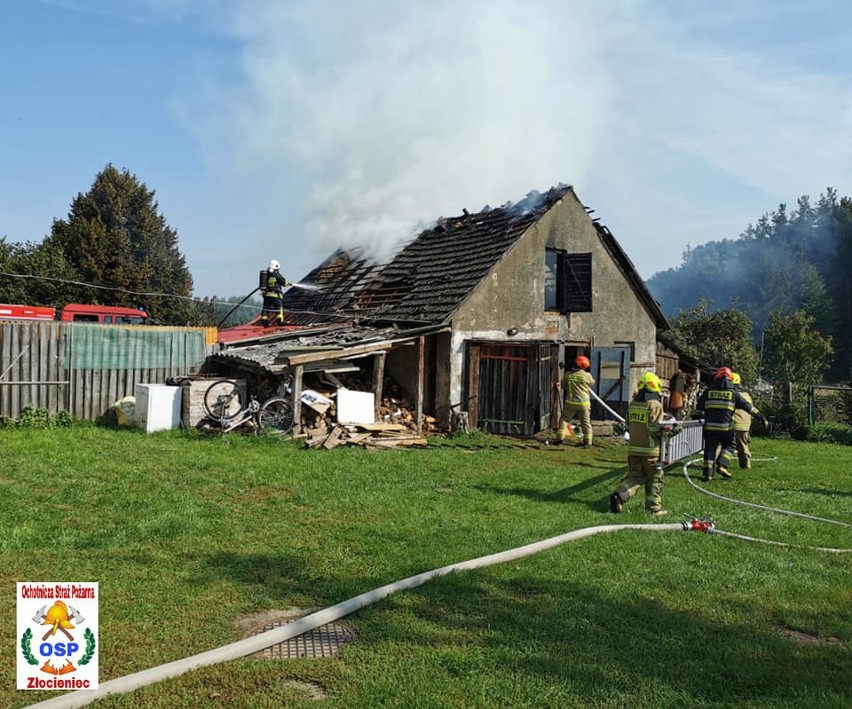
(259, 642)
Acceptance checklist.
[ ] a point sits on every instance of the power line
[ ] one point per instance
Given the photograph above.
(339, 315)
(119, 289)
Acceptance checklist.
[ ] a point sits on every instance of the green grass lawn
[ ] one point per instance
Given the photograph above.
(188, 535)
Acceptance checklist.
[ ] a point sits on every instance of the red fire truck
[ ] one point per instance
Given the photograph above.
(76, 312)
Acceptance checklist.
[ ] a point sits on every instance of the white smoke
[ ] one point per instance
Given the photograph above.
(359, 122)
(397, 113)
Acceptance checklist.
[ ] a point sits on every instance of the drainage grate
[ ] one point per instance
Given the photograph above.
(324, 641)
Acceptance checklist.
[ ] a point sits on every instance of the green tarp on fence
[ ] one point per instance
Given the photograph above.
(115, 347)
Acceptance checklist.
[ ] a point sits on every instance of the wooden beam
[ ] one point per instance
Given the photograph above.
(297, 399)
(335, 354)
(421, 377)
(378, 379)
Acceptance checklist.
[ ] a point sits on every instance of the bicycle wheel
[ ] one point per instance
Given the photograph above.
(224, 400)
(276, 416)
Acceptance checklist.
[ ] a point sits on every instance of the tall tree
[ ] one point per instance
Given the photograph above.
(840, 279)
(114, 236)
(794, 352)
(35, 274)
(719, 338)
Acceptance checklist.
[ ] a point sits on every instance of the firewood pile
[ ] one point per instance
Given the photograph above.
(372, 436)
(395, 407)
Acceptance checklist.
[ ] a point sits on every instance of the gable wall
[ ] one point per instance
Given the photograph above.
(512, 296)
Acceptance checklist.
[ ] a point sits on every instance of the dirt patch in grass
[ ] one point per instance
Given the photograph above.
(251, 621)
(801, 638)
(314, 691)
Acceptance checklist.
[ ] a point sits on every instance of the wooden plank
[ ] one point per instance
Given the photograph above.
(380, 426)
(390, 443)
(338, 354)
(333, 439)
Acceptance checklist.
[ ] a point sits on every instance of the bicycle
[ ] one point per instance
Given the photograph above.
(224, 403)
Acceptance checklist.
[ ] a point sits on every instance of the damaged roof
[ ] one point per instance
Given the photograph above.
(428, 279)
(317, 345)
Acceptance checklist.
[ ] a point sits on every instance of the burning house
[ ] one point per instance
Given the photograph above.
(476, 314)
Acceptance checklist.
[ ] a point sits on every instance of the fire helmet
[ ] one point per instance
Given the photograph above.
(736, 378)
(651, 382)
(57, 616)
(274, 265)
(582, 362)
(723, 373)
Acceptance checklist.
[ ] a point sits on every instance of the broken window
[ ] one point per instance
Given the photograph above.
(567, 282)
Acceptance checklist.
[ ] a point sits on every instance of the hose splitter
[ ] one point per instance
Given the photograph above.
(699, 525)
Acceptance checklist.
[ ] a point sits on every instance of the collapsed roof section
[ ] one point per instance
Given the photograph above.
(428, 279)
(317, 349)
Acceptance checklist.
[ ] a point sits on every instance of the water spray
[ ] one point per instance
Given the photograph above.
(307, 286)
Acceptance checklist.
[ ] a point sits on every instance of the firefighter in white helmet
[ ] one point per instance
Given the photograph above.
(272, 285)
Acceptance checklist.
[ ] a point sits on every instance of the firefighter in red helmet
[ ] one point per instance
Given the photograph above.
(575, 386)
(718, 404)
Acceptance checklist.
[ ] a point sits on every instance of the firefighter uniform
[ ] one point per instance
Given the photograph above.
(272, 288)
(742, 429)
(576, 384)
(644, 415)
(719, 402)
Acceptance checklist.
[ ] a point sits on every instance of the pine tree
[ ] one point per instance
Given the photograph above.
(114, 236)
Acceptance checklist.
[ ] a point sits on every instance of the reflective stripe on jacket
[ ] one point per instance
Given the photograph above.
(643, 416)
(719, 403)
(576, 384)
(742, 418)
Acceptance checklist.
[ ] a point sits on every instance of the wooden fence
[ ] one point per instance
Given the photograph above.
(85, 368)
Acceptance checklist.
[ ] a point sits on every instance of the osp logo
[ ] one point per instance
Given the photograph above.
(57, 631)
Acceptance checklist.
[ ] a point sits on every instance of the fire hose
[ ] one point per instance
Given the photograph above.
(604, 404)
(259, 642)
(768, 509)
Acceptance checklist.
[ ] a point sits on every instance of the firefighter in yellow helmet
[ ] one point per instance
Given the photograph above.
(575, 386)
(742, 426)
(646, 428)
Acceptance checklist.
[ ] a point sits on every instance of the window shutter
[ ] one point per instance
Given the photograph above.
(575, 283)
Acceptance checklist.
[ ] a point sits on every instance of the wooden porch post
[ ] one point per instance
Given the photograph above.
(298, 370)
(378, 379)
(421, 376)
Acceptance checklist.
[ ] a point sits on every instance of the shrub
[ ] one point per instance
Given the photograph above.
(829, 432)
(31, 417)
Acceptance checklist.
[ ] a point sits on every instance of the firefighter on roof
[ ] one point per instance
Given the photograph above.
(576, 384)
(646, 427)
(718, 403)
(272, 285)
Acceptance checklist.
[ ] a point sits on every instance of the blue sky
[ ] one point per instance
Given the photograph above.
(284, 128)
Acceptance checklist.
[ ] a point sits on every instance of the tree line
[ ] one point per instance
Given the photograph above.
(113, 248)
(786, 276)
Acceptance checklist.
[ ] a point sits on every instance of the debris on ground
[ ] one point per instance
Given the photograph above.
(372, 436)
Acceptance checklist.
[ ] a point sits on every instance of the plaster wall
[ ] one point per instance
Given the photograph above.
(511, 297)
